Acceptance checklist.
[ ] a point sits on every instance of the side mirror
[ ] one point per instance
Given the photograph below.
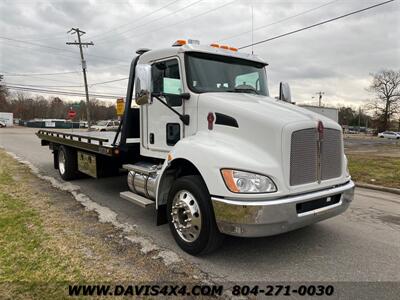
(142, 84)
(284, 92)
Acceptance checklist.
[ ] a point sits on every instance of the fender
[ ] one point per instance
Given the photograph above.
(209, 152)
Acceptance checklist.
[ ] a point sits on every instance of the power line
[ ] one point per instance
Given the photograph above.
(159, 18)
(59, 73)
(141, 18)
(278, 22)
(48, 79)
(54, 86)
(317, 24)
(39, 74)
(173, 24)
(44, 86)
(60, 92)
(50, 47)
(115, 80)
(35, 50)
(141, 25)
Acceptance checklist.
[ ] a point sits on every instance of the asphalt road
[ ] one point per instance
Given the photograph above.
(363, 244)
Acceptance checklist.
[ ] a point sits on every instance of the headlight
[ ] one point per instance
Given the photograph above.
(245, 182)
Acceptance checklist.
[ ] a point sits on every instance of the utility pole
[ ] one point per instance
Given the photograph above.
(79, 33)
(320, 98)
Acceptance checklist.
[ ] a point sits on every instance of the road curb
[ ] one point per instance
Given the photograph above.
(378, 188)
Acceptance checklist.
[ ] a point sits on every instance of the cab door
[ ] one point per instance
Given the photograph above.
(164, 128)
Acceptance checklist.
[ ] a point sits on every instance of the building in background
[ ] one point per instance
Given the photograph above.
(329, 112)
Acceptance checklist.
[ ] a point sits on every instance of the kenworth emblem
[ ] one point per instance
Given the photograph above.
(320, 130)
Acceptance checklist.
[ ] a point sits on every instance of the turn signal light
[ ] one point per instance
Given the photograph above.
(229, 180)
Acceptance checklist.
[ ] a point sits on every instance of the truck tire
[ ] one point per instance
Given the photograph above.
(67, 163)
(191, 216)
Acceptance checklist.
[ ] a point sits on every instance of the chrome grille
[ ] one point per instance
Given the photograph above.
(304, 156)
(331, 158)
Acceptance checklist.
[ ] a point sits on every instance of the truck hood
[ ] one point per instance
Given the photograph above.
(260, 108)
(265, 127)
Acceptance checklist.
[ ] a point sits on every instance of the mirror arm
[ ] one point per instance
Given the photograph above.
(185, 96)
(184, 118)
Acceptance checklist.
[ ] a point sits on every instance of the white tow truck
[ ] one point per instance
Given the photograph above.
(206, 146)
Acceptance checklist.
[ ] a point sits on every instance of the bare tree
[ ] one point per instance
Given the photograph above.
(4, 105)
(386, 87)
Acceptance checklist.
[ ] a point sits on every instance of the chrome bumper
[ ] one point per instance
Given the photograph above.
(270, 217)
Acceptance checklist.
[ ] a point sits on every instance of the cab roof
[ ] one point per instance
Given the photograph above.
(153, 55)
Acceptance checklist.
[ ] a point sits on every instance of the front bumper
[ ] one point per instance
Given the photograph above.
(269, 217)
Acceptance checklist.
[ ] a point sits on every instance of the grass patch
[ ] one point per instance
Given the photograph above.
(377, 170)
(5, 177)
(49, 241)
(28, 266)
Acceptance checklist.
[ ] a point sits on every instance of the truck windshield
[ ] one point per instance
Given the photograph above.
(217, 73)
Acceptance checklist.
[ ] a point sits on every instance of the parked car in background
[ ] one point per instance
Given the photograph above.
(2, 124)
(106, 125)
(389, 135)
(83, 124)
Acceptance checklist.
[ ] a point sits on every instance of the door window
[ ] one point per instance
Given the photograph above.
(166, 80)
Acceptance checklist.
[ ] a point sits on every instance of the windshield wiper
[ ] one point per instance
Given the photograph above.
(243, 90)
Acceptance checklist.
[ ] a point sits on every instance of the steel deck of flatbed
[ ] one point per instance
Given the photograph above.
(94, 141)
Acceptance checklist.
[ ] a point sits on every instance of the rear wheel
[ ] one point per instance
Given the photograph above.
(191, 216)
(67, 163)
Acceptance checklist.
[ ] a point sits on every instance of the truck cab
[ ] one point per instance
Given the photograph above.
(217, 155)
(234, 160)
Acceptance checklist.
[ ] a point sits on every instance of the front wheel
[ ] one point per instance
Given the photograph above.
(191, 216)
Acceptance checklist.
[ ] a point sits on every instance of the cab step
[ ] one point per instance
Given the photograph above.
(136, 199)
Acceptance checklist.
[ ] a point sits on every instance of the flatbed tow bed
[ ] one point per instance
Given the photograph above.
(93, 153)
(93, 141)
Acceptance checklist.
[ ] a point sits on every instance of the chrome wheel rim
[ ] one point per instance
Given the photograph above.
(61, 162)
(186, 216)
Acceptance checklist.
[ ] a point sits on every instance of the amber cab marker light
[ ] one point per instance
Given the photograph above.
(180, 43)
(229, 181)
(233, 49)
(214, 45)
(169, 157)
(224, 47)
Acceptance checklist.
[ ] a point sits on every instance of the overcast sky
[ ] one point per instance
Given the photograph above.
(335, 58)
